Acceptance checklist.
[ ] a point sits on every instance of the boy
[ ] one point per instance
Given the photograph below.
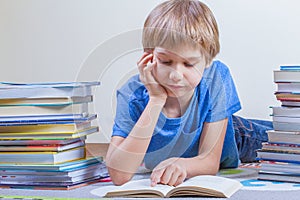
(176, 116)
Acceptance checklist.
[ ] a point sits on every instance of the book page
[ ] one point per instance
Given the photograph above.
(221, 184)
(145, 184)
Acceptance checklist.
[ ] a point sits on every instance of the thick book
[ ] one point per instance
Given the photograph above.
(67, 166)
(45, 90)
(278, 156)
(279, 176)
(286, 126)
(205, 186)
(44, 157)
(285, 111)
(289, 137)
(286, 76)
(286, 119)
(50, 178)
(32, 110)
(280, 167)
(284, 87)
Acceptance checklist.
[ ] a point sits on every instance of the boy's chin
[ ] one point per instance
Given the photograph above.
(174, 95)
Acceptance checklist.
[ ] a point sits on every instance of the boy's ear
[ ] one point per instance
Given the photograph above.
(148, 50)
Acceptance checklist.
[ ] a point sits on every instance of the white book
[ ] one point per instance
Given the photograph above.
(286, 126)
(289, 137)
(288, 87)
(277, 176)
(205, 185)
(9, 111)
(290, 103)
(50, 157)
(285, 111)
(278, 156)
(280, 167)
(286, 76)
(286, 119)
(43, 90)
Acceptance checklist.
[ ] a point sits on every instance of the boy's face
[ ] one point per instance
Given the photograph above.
(179, 71)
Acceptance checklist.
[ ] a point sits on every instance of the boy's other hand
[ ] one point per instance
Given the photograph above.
(155, 90)
(169, 172)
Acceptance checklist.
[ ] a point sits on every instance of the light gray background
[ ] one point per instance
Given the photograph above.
(72, 40)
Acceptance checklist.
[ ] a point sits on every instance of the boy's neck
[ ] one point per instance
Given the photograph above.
(176, 106)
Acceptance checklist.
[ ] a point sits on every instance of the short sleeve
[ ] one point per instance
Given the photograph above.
(223, 98)
(131, 101)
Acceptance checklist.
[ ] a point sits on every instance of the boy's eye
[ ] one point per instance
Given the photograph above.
(164, 62)
(188, 65)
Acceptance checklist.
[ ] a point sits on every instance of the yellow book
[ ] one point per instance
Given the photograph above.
(48, 135)
(50, 101)
(45, 128)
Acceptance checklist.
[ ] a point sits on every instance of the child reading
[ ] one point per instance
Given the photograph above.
(176, 115)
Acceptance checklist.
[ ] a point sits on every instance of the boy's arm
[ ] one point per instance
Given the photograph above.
(125, 155)
(174, 171)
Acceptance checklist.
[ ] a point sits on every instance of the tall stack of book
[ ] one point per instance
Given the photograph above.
(280, 156)
(43, 128)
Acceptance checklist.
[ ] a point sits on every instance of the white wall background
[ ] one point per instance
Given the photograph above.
(70, 40)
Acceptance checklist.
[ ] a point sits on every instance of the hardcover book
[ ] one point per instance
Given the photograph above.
(286, 76)
(45, 90)
(290, 137)
(48, 157)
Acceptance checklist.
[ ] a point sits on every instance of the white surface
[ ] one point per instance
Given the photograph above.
(53, 40)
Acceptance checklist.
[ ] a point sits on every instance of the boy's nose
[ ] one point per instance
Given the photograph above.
(175, 75)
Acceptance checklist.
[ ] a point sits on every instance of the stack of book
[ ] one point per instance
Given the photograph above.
(43, 128)
(280, 156)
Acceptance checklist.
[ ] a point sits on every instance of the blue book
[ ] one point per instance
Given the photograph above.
(290, 67)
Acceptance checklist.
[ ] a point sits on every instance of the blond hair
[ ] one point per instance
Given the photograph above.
(174, 22)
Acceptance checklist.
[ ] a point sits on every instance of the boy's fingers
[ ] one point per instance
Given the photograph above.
(174, 176)
(180, 180)
(167, 177)
(156, 176)
(142, 64)
(148, 73)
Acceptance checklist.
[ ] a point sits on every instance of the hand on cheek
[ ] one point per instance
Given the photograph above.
(146, 66)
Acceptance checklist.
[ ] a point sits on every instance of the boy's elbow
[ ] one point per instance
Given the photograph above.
(119, 178)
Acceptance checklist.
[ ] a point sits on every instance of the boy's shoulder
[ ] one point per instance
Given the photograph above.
(217, 65)
(132, 83)
(134, 88)
(216, 68)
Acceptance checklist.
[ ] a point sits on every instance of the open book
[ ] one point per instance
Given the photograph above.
(206, 185)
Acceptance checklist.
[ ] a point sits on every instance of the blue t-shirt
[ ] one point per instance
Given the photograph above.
(215, 98)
